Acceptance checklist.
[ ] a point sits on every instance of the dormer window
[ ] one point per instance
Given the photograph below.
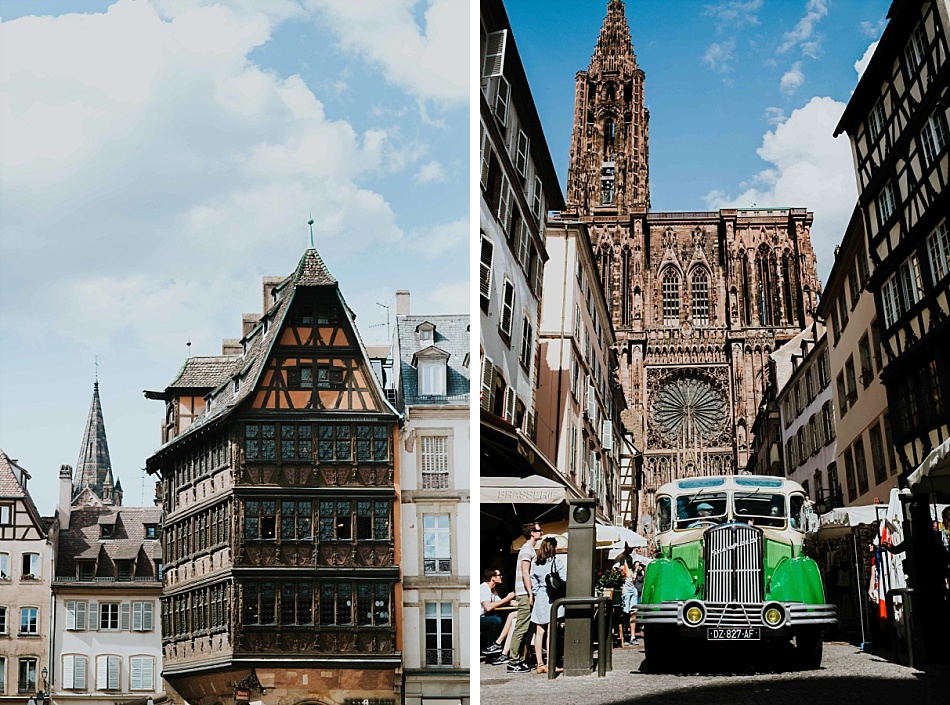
(87, 570)
(123, 570)
(432, 377)
(106, 531)
(425, 332)
(151, 531)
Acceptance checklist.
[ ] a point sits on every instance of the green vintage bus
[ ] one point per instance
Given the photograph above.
(731, 569)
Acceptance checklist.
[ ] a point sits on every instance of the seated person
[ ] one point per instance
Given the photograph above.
(704, 516)
(490, 624)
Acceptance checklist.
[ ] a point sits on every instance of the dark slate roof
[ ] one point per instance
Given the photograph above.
(451, 336)
(204, 372)
(10, 488)
(82, 540)
(94, 466)
(311, 271)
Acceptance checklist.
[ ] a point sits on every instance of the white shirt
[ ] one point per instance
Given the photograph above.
(526, 553)
(485, 594)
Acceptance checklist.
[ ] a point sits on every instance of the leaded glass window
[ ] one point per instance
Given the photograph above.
(700, 299)
(671, 299)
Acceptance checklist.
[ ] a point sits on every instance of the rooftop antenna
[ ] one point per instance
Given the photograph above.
(310, 223)
(97, 369)
(379, 325)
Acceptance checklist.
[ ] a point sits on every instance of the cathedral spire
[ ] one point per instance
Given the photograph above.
(94, 466)
(614, 49)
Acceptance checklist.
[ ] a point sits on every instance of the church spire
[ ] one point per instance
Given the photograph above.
(614, 49)
(94, 466)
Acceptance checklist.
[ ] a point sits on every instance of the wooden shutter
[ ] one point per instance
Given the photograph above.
(94, 615)
(608, 435)
(504, 203)
(502, 98)
(488, 376)
(80, 616)
(148, 669)
(102, 672)
(485, 155)
(507, 308)
(494, 62)
(487, 254)
(137, 616)
(135, 673)
(146, 616)
(521, 160)
(79, 670)
(68, 667)
(70, 616)
(114, 672)
(124, 617)
(510, 400)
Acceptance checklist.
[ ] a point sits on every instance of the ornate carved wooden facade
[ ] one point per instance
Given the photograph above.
(280, 530)
(698, 300)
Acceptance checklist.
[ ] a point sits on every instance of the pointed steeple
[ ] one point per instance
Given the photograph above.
(614, 49)
(94, 466)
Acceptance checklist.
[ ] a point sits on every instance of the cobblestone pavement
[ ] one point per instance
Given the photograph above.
(847, 676)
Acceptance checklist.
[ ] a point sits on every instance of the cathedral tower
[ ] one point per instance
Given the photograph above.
(94, 467)
(609, 148)
(698, 300)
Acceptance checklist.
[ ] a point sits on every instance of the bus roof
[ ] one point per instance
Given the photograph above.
(731, 482)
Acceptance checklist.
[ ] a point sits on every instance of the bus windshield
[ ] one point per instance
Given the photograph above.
(700, 509)
(760, 508)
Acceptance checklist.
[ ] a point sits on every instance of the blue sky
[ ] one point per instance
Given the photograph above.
(157, 157)
(744, 96)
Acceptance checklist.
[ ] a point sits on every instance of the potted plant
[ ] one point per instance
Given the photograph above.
(610, 581)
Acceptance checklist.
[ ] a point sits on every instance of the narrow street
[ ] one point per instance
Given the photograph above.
(847, 676)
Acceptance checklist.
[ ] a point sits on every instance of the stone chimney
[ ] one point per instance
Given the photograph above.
(64, 507)
(402, 302)
(248, 321)
(231, 346)
(269, 284)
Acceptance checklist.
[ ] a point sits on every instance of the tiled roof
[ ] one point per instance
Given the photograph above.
(311, 271)
(82, 540)
(204, 372)
(10, 487)
(452, 336)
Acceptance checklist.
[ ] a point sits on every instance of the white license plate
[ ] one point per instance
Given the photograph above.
(744, 634)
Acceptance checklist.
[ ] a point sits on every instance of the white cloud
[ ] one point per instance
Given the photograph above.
(774, 116)
(719, 56)
(792, 79)
(164, 180)
(808, 168)
(815, 10)
(734, 14)
(873, 30)
(431, 172)
(439, 239)
(429, 60)
(861, 64)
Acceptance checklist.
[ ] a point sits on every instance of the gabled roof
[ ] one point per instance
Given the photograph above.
(83, 541)
(11, 488)
(204, 372)
(223, 397)
(451, 339)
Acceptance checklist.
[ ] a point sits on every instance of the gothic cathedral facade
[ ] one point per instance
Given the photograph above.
(698, 300)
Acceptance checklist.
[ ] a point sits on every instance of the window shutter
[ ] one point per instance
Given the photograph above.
(521, 161)
(146, 616)
(494, 62)
(504, 203)
(94, 615)
(102, 672)
(488, 251)
(148, 667)
(68, 669)
(486, 156)
(510, 399)
(507, 308)
(79, 671)
(113, 672)
(501, 100)
(137, 616)
(135, 674)
(608, 435)
(70, 616)
(488, 375)
(524, 247)
(591, 402)
(81, 616)
(124, 616)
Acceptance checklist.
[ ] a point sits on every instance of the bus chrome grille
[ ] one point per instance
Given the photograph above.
(734, 564)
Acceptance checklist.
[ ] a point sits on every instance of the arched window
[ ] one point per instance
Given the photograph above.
(764, 276)
(625, 291)
(671, 298)
(700, 295)
(746, 301)
(606, 264)
(787, 287)
(610, 131)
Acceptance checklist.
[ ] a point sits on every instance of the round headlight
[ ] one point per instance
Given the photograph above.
(693, 614)
(773, 615)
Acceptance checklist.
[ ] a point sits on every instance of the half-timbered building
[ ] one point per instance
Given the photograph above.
(897, 122)
(281, 510)
(26, 566)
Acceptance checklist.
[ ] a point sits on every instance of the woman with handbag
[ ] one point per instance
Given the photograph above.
(548, 582)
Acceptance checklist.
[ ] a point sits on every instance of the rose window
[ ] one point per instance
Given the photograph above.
(688, 410)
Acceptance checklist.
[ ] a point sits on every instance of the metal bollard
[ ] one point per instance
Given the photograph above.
(604, 629)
